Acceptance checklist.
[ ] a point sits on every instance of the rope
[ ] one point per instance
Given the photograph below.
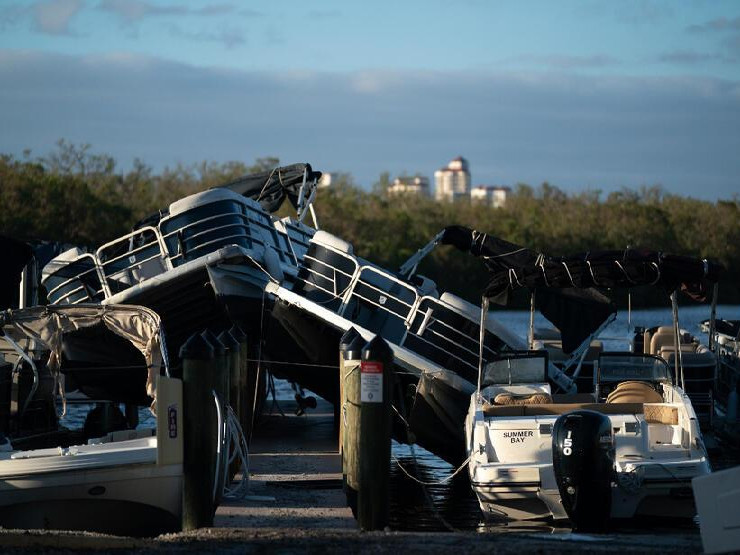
(437, 483)
(238, 449)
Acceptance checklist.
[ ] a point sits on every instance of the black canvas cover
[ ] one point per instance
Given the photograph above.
(15, 255)
(270, 188)
(577, 313)
(578, 309)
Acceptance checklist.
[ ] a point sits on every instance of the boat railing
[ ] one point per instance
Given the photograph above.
(149, 251)
(381, 302)
(389, 300)
(131, 259)
(78, 280)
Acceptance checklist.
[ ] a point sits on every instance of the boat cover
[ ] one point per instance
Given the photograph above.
(271, 187)
(16, 254)
(47, 326)
(575, 277)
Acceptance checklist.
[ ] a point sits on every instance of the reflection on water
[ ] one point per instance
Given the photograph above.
(452, 505)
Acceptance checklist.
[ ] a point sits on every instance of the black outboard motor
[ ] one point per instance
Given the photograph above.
(583, 461)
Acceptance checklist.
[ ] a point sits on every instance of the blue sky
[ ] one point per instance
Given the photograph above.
(585, 95)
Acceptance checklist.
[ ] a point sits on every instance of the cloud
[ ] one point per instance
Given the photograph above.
(132, 11)
(53, 17)
(721, 24)
(688, 57)
(229, 37)
(568, 62)
(572, 130)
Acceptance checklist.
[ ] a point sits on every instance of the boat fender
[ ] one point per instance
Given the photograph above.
(583, 462)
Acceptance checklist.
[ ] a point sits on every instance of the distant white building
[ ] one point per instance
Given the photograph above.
(416, 185)
(452, 182)
(490, 195)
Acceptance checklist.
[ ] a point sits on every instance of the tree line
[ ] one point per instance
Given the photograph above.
(77, 196)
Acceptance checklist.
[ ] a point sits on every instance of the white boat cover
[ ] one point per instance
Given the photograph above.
(46, 326)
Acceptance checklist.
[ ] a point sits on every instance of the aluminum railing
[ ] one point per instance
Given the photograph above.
(398, 306)
(150, 251)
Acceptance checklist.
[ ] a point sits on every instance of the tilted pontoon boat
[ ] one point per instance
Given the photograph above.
(217, 257)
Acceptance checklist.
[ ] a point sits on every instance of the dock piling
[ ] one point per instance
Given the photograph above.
(243, 385)
(374, 451)
(232, 360)
(199, 436)
(350, 355)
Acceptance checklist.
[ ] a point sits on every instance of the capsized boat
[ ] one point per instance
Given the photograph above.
(202, 262)
(103, 478)
(220, 256)
(629, 447)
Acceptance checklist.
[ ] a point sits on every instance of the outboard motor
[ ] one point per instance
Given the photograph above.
(583, 461)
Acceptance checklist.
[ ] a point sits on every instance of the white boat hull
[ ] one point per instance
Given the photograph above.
(118, 489)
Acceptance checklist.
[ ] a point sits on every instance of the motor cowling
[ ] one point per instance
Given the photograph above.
(583, 462)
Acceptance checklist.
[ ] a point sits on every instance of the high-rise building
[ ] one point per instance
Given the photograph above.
(490, 195)
(416, 185)
(453, 182)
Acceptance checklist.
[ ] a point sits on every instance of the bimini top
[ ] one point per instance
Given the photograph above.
(47, 326)
(271, 187)
(566, 286)
(513, 267)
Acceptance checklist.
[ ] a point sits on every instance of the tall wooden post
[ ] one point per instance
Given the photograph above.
(350, 354)
(221, 386)
(243, 386)
(375, 434)
(199, 433)
(232, 359)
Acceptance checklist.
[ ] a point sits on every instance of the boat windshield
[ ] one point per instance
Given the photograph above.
(619, 367)
(517, 367)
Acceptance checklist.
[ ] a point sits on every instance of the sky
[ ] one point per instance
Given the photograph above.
(585, 95)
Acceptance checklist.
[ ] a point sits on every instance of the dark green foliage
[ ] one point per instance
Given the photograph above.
(76, 196)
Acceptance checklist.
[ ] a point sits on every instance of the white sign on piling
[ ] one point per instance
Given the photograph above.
(371, 382)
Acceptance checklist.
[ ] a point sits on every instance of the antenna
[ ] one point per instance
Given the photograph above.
(483, 317)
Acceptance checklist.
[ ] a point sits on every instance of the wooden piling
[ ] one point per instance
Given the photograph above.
(350, 355)
(220, 381)
(232, 359)
(374, 451)
(199, 420)
(220, 364)
(243, 386)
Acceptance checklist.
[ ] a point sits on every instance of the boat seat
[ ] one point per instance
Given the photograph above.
(660, 414)
(328, 240)
(663, 337)
(634, 392)
(561, 408)
(513, 399)
(461, 305)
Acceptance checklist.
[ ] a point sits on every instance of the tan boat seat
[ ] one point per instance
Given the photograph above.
(634, 392)
(530, 399)
(661, 414)
(561, 408)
